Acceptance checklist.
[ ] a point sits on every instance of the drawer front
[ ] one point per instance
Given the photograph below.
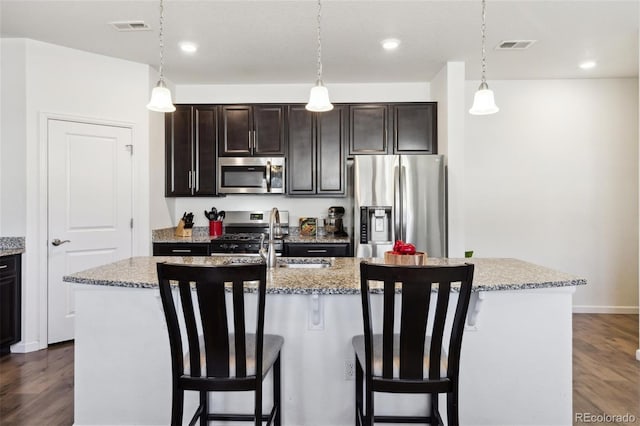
(160, 249)
(8, 265)
(317, 250)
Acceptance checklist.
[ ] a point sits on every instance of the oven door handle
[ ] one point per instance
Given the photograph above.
(268, 176)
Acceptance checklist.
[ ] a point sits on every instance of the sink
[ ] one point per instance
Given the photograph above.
(304, 263)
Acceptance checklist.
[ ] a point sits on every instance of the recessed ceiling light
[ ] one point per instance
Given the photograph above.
(390, 43)
(188, 47)
(588, 65)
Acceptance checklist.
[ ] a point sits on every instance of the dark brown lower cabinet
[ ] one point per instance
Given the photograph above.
(181, 249)
(10, 301)
(317, 249)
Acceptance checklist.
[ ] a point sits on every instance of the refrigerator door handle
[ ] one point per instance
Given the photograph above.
(404, 198)
(397, 211)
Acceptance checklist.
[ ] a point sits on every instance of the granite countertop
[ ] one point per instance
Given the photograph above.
(200, 234)
(342, 277)
(11, 245)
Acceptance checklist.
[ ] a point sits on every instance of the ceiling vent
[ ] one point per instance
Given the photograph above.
(515, 44)
(130, 26)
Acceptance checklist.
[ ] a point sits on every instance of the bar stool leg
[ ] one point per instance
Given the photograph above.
(359, 375)
(277, 421)
(177, 406)
(204, 403)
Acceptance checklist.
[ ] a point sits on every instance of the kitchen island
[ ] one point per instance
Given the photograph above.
(516, 353)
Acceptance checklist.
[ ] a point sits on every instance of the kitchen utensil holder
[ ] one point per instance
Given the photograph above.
(181, 231)
(215, 228)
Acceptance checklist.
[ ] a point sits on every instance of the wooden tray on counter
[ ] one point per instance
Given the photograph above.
(391, 258)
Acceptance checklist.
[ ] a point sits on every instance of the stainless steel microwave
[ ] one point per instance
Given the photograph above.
(251, 175)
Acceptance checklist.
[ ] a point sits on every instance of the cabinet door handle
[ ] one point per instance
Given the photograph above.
(180, 250)
(254, 142)
(4, 266)
(317, 251)
(189, 179)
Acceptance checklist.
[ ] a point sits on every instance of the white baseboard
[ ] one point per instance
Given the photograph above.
(22, 347)
(587, 309)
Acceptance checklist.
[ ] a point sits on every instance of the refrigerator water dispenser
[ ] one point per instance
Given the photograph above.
(375, 225)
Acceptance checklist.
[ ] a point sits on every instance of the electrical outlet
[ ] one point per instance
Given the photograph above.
(349, 370)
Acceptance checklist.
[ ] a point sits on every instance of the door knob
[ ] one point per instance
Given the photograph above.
(56, 242)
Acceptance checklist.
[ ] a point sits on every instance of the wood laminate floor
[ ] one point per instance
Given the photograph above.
(36, 389)
(606, 374)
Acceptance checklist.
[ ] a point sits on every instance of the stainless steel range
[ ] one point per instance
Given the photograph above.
(243, 231)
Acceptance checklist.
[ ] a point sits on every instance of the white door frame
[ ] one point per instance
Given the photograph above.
(43, 227)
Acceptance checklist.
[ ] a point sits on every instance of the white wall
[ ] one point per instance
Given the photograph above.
(553, 179)
(71, 83)
(285, 93)
(448, 89)
(13, 130)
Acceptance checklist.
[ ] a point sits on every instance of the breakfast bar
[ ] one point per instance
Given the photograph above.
(518, 339)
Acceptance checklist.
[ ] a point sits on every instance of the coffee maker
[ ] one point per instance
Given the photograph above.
(333, 224)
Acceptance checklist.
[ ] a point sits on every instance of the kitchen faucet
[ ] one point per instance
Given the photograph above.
(269, 255)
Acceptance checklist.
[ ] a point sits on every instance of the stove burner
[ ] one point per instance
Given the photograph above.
(240, 242)
(246, 236)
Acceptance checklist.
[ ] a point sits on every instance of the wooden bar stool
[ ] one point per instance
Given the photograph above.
(413, 361)
(219, 360)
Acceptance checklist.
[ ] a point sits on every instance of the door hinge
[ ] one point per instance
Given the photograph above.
(131, 223)
(130, 148)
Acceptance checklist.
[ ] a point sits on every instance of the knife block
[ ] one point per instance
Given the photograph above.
(181, 231)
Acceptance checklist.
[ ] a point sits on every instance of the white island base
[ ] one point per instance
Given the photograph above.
(516, 366)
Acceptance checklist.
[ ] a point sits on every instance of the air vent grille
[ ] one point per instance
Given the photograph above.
(515, 44)
(130, 26)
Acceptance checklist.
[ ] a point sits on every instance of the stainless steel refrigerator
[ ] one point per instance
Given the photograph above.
(399, 197)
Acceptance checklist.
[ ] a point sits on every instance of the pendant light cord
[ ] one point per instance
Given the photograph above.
(161, 41)
(484, 52)
(319, 42)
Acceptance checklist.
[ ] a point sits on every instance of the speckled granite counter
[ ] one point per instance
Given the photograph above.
(200, 234)
(342, 277)
(11, 245)
(294, 238)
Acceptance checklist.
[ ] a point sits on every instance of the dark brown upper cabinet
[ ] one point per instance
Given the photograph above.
(368, 129)
(415, 128)
(398, 128)
(190, 157)
(251, 130)
(316, 164)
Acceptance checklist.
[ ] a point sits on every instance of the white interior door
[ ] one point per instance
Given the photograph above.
(90, 209)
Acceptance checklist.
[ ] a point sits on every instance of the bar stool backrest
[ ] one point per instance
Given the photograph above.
(210, 285)
(418, 285)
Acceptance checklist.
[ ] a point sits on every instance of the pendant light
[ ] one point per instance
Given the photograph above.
(161, 96)
(483, 101)
(319, 96)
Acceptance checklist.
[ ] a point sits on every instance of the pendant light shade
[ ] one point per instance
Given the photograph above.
(319, 95)
(484, 102)
(161, 96)
(161, 99)
(319, 98)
